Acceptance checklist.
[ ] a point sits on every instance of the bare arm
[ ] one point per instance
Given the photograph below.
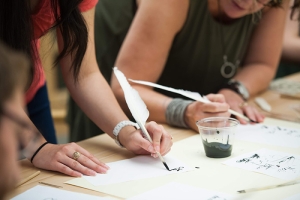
(94, 96)
(261, 60)
(291, 40)
(144, 53)
(264, 50)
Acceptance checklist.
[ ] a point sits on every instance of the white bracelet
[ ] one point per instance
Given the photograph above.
(121, 125)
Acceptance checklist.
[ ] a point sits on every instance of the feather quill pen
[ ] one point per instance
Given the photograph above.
(136, 106)
(192, 95)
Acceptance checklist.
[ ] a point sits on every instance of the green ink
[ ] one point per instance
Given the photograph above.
(216, 149)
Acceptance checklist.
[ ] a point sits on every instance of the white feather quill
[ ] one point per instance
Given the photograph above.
(136, 106)
(192, 95)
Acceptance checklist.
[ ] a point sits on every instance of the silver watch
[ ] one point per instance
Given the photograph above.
(239, 88)
(121, 125)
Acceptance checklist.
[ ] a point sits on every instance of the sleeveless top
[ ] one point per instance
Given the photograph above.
(195, 57)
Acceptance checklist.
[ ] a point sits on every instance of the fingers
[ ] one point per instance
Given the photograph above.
(162, 141)
(61, 158)
(156, 132)
(253, 113)
(215, 107)
(216, 98)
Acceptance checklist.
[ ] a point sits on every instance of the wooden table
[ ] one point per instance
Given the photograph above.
(281, 106)
(105, 149)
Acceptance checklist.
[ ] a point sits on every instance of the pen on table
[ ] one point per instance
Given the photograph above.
(292, 182)
(28, 178)
(49, 184)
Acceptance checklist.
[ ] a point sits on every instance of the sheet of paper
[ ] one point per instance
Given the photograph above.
(179, 191)
(273, 163)
(48, 193)
(267, 134)
(139, 167)
(294, 197)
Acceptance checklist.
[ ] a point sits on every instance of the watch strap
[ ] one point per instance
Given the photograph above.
(119, 127)
(238, 87)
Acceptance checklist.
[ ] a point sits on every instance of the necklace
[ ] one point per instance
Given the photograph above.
(228, 69)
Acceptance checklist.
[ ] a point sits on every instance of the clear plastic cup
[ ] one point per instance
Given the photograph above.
(217, 135)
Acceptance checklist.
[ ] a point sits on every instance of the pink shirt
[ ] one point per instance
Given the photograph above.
(43, 19)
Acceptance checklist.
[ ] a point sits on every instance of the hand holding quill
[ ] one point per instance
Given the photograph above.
(136, 106)
(192, 95)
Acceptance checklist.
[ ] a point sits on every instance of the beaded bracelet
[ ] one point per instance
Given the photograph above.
(38, 151)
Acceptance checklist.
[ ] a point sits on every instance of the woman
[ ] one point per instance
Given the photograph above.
(73, 21)
(228, 47)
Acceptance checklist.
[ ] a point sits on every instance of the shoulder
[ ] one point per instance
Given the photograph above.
(175, 11)
(86, 5)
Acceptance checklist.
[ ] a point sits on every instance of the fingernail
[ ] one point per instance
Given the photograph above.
(157, 148)
(150, 148)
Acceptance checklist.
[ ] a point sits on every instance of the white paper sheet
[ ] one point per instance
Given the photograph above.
(269, 162)
(266, 134)
(179, 191)
(294, 197)
(48, 193)
(139, 167)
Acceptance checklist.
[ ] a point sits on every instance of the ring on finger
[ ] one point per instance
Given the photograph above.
(243, 104)
(76, 155)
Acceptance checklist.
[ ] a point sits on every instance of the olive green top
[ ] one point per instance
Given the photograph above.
(195, 58)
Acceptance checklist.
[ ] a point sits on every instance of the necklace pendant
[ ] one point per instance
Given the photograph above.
(228, 69)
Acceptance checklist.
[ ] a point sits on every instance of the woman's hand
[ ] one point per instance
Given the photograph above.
(61, 158)
(138, 144)
(197, 110)
(237, 104)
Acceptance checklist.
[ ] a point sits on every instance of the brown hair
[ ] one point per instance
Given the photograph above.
(14, 72)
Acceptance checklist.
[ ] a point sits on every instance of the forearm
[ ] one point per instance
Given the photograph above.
(256, 77)
(291, 51)
(95, 98)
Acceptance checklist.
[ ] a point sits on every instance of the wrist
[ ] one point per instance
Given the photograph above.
(122, 129)
(238, 87)
(175, 112)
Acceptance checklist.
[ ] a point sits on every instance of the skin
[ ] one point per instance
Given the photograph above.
(94, 96)
(291, 41)
(9, 169)
(147, 44)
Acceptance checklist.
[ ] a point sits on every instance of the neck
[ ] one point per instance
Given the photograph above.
(216, 10)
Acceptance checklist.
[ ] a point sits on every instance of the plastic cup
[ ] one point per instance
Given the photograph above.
(217, 135)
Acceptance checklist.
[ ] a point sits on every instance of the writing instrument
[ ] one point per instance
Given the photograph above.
(144, 130)
(241, 116)
(292, 182)
(28, 178)
(192, 95)
(51, 185)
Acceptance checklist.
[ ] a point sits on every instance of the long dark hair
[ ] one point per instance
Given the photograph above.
(16, 29)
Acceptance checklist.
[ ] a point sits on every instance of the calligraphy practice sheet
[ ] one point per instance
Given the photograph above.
(266, 134)
(139, 167)
(268, 162)
(47, 193)
(179, 191)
